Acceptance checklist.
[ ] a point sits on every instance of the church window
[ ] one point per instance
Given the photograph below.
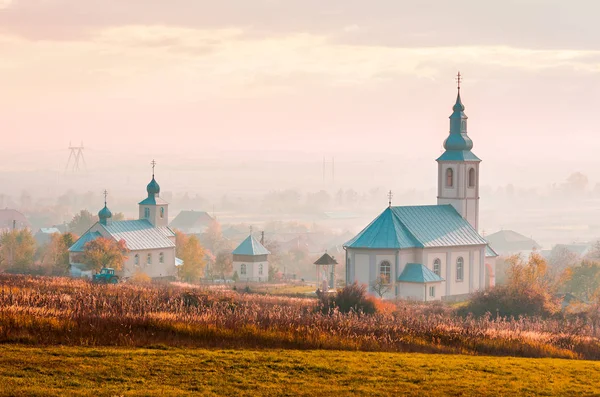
(146, 212)
(385, 270)
(243, 269)
(161, 258)
(449, 177)
(472, 177)
(162, 212)
(437, 267)
(149, 259)
(136, 259)
(460, 263)
(432, 291)
(260, 269)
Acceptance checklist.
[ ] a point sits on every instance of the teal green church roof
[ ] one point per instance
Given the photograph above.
(458, 145)
(417, 227)
(417, 273)
(251, 247)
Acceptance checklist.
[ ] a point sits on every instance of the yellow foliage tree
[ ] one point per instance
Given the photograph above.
(103, 252)
(194, 261)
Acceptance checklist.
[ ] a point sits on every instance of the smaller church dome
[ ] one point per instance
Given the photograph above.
(153, 187)
(458, 142)
(104, 213)
(458, 106)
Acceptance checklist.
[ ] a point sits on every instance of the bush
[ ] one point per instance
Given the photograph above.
(505, 301)
(351, 298)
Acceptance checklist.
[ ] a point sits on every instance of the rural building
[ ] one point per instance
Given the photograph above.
(150, 241)
(250, 260)
(12, 219)
(508, 242)
(43, 236)
(191, 222)
(434, 251)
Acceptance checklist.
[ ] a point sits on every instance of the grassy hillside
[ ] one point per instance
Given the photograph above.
(173, 371)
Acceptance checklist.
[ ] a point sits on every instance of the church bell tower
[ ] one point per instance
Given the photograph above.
(458, 167)
(154, 209)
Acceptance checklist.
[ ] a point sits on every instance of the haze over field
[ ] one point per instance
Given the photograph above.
(248, 96)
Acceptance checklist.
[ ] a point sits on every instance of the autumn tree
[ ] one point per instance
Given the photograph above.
(582, 280)
(103, 252)
(81, 222)
(381, 285)
(17, 250)
(223, 264)
(213, 238)
(56, 253)
(194, 261)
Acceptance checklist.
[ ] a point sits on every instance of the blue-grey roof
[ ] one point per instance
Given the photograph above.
(417, 227)
(83, 240)
(140, 234)
(49, 230)
(489, 252)
(251, 246)
(417, 273)
(458, 155)
(153, 200)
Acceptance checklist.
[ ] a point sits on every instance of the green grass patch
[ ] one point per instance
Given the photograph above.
(84, 371)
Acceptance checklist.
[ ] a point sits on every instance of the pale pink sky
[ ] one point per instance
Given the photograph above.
(202, 78)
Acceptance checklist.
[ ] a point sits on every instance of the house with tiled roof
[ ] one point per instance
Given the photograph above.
(430, 252)
(150, 241)
(191, 222)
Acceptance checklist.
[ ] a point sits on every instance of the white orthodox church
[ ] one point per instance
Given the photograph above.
(430, 252)
(150, 241)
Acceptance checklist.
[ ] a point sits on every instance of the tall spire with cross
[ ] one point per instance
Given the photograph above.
(105, 196)
(390, 196)
(458, 80)
(105, 215)
(153, 162)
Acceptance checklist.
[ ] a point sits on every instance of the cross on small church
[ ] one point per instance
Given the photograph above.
(458, 79)
(390, 196)
(153, 165)
(105, 195)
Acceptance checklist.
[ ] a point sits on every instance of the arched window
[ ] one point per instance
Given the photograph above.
(146, 212)
(162, 212)
(437, 267)
(472, 177)
(385, 270)
(149, 259)
(136, 259)
(161, 258)
(243, 269)
(449, 177)
(460, 263)
(260, 269)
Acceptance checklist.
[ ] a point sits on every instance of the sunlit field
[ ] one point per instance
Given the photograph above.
(55, 311)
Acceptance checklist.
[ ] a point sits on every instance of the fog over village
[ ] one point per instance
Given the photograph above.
(263, 197)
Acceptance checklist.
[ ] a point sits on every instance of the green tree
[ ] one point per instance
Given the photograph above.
(194, 261)
(103, 252)
(81, 222)
(17, 250)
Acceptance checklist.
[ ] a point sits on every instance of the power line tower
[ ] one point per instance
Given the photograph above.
(76, 159)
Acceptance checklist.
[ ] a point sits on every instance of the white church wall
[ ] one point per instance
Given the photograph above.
(476, 270)
(411, 291)
(437, 291)
(362, 271)
(154, 268)
(253, 270)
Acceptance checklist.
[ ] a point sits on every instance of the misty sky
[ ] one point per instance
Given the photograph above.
(283, 78)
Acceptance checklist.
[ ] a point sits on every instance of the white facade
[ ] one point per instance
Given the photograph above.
(364, 267)
(249, 270)
(458, 185)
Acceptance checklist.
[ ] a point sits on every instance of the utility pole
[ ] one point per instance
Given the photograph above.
(76, 159)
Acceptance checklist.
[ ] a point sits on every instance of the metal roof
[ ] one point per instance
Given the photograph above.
(417, 273)
(83, 240)
(153, 201)
(458, 155)
(251, 246)
(140, 234)
(489, 252)
(189, 219)
(417, 227)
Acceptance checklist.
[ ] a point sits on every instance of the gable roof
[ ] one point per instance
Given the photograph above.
(417, 227)
(417, 273)
(252, 247)
(83, 240)
(140, 234)
(191, 219)
(509, 241)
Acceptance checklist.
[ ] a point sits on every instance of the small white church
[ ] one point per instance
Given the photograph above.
(430, 252)
(150, 241)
